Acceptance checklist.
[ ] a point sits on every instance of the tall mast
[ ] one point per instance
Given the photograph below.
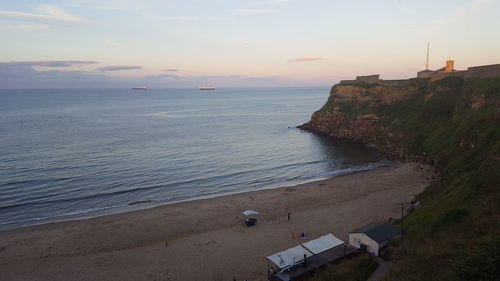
(427, 61)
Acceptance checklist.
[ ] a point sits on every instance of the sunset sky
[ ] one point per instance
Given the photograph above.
(237, 43)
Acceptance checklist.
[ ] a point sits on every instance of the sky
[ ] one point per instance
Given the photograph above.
(237, 43)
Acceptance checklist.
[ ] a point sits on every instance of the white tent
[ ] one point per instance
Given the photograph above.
(322, 243)
(289, 257)
(250, 212)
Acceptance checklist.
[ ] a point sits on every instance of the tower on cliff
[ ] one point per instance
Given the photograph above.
(449, 66)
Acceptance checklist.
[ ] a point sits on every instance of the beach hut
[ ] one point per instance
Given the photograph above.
(373, 237)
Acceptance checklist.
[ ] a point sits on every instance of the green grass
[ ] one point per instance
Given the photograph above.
(482, 263)
(484, 86)
(357, 268)
(462, 207)
(328, 106)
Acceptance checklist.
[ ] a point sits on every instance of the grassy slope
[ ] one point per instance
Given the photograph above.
(358, 268)
(459, 223)
(455, 235)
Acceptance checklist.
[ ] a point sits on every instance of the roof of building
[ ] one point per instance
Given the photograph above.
(425, 70)
(322, 244)
(296, 254)
(379, 232)
(289, 257)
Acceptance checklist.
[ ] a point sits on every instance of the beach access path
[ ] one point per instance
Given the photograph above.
(207, 239)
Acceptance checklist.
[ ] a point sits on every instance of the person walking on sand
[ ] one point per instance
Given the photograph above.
(288, 216)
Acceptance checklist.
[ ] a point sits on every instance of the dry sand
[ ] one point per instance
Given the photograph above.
(207, 239)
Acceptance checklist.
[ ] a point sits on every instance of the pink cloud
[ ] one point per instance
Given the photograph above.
(119, 67)
(302, 59)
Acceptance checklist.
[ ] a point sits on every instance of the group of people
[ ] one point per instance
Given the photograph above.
(413, 205)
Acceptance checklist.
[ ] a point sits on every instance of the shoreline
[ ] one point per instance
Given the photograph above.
(129, 207)
(209, 233)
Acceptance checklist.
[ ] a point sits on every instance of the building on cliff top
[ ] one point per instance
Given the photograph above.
(483, 71)
(427, 75)
(448, 68)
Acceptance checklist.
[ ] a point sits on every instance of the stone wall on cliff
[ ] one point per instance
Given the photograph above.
(484, 71)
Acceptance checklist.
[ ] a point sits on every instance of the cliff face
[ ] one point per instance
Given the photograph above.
(455, 123)
(352, 112)
(388, 117)
(373, 94)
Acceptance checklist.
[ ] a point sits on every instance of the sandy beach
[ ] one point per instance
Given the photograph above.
(206, 239)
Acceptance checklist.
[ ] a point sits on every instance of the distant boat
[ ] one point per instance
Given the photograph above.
(207, 88)
(139, 88)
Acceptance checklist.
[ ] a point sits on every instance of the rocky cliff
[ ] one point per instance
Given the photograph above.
(374, 114)
(455, 123)
(351, 112)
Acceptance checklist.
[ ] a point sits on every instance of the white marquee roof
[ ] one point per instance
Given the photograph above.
(250, 212)
(323, 243)
(289, 257)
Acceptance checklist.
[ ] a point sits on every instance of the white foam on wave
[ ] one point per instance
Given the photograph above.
(356, 169)
(290, 183)
(98, 211)
(59, 216)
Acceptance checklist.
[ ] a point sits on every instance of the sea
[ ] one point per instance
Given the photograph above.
(73, 153)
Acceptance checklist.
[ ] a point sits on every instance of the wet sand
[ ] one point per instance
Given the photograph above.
(207, 239)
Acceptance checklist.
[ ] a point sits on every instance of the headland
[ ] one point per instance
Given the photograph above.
(371, 111)
(451, 120)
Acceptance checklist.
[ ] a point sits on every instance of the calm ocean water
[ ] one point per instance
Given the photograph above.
(70, 153)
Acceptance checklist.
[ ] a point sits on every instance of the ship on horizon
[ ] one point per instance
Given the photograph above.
(139, 88)
(207, 88)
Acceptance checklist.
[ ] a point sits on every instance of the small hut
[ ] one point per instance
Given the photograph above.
(373, 237)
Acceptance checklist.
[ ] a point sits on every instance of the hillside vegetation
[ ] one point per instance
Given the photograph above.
(455, 125)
